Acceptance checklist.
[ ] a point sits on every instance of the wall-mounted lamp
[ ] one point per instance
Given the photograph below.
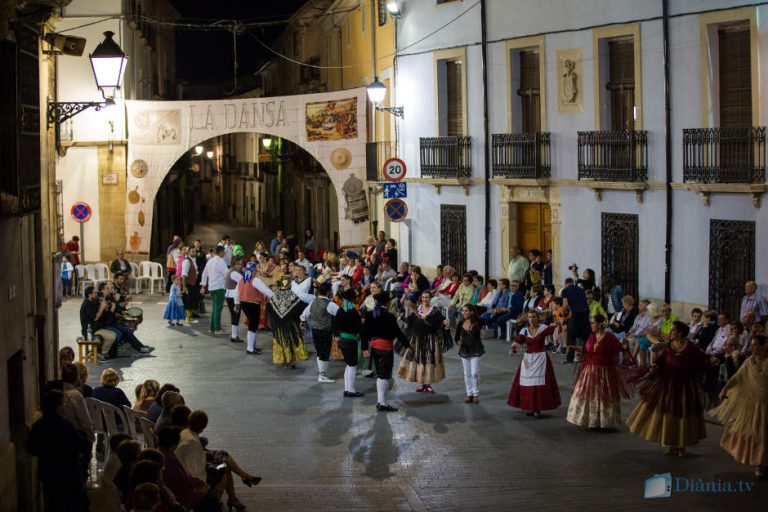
(266, 142)
(209, 154)
(198, 150)
(393, 8)
(108, 65)
(376, 92)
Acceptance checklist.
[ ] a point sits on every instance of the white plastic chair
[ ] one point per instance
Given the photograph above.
(112, 415)
(135, 276)
(150, 438)
(134, 426)
(153, 272)
(83, 279)
(510, 327)
(97, 417)
(101, 273)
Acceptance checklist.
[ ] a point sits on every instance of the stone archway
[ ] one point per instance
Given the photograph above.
(329, 126)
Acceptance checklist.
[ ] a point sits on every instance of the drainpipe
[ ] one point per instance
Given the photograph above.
(486, 142)
(668, 159)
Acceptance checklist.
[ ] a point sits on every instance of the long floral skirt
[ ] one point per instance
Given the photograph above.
(596, 400)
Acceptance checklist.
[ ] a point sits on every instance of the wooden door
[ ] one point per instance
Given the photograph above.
(534, 227)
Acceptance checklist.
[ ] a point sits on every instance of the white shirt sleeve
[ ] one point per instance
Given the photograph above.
(332, 308)
(305, 314)
(185, 268)
(300, 289)
(263, 288)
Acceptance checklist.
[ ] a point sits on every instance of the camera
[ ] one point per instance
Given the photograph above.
(573, 267)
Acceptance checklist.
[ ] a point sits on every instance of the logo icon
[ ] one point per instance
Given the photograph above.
(658, 486)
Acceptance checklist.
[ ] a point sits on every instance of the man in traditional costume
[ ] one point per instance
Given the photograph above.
(380, 330)
(319, 314)
(346, 328)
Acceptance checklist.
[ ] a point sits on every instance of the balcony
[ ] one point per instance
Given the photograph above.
(376, 153)
(613, 156)
(724, 155)
(521, 155)
(445, 157)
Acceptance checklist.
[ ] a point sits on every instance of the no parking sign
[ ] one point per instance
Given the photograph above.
(396, 210)
(81, 212)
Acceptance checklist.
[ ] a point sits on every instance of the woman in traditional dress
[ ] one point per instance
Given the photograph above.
(422, 361)
(672, 397)
(744, 410)
(283, 311)
(534, 388)
(597, 393)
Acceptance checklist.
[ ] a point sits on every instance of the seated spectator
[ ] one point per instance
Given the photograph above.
(480, 290)
(201, 462)
(191, 492)
(486, 302)
(440, 276)
(645, 339)
(696, 324)
(546, 299)
(109, 392)
(462, 296)
(157, 406)
(367, 278)
(708, 330)
(595, 308)
(145, 498)
(667, 320)
(717, 345)
(621, 321)
(385, 273)
(120, 264)
(170, 400)
(501, 305)
(75, 408)
(149, 471)
(61, 453)
(180, 416)
(113, 464)
(444, 297)
(148, 391)
(128, 451)
(417, 285)
(735, 348)
(534, 299)
(82, 373)
(304, 262)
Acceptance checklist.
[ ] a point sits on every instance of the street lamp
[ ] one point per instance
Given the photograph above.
(376, 92)
(209, 154)
(393, 8)
(108, 65)
(198, 150)
(267, 142)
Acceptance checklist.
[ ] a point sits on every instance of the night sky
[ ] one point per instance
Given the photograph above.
(206, 57)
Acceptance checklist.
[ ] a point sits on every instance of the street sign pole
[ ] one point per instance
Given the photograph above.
(82, 242)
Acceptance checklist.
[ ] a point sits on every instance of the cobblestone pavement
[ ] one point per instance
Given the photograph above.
(319, 451)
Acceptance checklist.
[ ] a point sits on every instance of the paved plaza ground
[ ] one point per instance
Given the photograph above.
(319, 451)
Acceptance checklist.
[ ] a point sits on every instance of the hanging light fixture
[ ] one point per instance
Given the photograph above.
(376, 92)
(198, 150)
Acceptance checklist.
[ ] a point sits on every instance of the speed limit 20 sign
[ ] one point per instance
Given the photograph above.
(394, 169)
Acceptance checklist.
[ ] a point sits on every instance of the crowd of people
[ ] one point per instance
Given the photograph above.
(365, 306)
(181, 474)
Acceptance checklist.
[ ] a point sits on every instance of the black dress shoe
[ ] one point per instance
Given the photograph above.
(253, 352)
(385, 408)
(353, 394)
(236, 340)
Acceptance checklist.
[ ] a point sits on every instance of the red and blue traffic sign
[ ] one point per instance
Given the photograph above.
(81, 212)
(396, 210)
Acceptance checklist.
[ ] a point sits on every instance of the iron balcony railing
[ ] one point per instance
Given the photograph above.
(724, 155)
(620, 155)
(376, 153)
(445, 157)
(521, 155)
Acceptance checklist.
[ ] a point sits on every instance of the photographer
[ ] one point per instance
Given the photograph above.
(98, 312)
(587, 280)
(575, 302)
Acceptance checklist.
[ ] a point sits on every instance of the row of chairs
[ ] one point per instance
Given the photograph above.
(147, 272)
(109, 420)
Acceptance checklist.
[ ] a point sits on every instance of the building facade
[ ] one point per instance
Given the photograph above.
(553, 123)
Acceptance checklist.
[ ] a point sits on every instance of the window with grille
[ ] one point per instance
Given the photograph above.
(453, 236)
(731, 263)
(620, 250)
(382, 12)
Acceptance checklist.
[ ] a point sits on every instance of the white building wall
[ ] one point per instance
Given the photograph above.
(79, 173)
(580, 213)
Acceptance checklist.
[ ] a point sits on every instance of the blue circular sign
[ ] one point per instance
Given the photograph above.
(396, 210)
(81, 212)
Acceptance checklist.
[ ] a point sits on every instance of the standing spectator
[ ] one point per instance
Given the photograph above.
(213, 280)
(60, 452)
(109, 392)
(170, 262)
(381, 242)
(752, 301)
(201, 259)
(310, 244)
(75, 410)
(73, 246)
(190, 293)
(546, 269)
(274, 245)
(535, 269)
(518, 266)
(575, 300)
(67, 271)
(390, 253)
